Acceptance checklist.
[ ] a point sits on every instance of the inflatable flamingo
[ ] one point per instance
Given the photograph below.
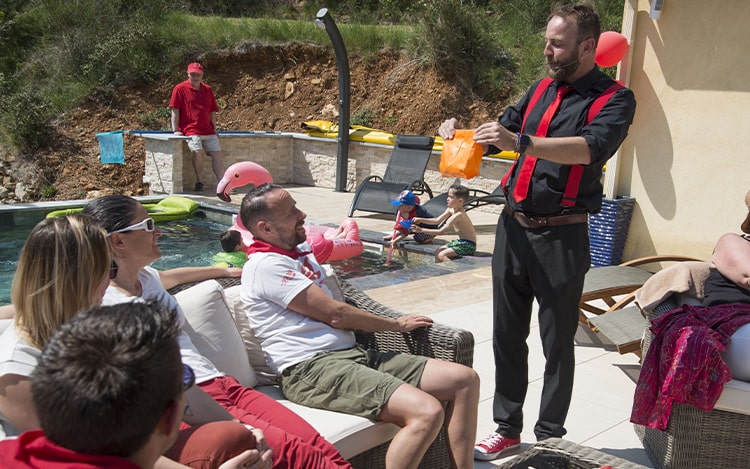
(241, 174)
(327, 243)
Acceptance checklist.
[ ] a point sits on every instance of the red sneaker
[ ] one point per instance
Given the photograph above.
(495, 444)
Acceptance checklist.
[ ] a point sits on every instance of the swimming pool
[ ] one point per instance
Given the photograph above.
(193, 242)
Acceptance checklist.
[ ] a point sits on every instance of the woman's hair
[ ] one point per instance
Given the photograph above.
(112, 212)
(60, 269)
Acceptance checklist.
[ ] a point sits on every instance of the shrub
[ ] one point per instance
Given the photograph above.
(24, 118)
(456, 38)
(364, 116)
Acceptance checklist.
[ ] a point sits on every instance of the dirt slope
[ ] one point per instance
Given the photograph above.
(258, 88)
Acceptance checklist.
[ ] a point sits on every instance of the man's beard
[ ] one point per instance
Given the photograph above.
(562, 71)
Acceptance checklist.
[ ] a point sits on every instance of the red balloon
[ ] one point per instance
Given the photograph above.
(611, 49)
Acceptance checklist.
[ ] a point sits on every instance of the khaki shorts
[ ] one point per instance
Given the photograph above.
(354, 381)
(204, 142)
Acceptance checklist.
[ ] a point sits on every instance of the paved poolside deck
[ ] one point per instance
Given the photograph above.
(462, 297)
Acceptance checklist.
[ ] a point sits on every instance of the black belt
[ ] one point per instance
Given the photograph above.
(543, 222)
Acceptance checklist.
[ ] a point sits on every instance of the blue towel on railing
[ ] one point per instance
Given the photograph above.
(111, 147)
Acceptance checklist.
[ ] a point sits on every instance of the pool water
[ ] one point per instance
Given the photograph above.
(193, 242)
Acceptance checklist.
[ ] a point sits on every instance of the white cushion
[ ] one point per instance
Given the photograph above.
(737, 355)
(263, 373)
(351, 435)
(213, 331)
(735, 397)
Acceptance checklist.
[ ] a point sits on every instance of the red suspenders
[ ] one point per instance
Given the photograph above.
(576, 171)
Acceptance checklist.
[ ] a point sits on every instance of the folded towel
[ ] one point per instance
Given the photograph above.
(684, 277)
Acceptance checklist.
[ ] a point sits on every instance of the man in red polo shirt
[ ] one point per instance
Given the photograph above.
(194, 115)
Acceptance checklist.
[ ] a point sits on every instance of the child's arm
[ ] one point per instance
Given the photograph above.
(437, 231)
(433, 221)
(399, 236)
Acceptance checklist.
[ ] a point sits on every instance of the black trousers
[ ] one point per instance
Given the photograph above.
(548, 264)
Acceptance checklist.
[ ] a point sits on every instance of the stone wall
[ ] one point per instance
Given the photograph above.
(294, 158)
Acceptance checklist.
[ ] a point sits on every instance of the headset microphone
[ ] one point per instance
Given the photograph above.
(565, 66)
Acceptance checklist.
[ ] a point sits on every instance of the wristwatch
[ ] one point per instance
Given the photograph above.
(522, 142)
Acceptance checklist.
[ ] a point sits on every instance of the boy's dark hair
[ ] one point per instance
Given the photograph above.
(461, 191)
(106, 377)
(230, 239)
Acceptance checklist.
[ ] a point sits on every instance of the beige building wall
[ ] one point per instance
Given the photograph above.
(687, 157)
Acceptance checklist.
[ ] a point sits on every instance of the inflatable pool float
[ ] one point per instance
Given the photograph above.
(172, 207)
(241, 174)
(327, 243)
(359, 133)
(229, 259)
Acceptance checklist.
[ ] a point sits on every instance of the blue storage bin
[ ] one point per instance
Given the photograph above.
(608, 230)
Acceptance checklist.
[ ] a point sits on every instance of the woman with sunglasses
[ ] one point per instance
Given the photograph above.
(63, 268)
(134, 244)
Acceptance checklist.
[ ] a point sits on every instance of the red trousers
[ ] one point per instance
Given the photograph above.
(295, 443)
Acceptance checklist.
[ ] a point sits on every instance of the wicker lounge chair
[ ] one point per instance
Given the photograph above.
(439, 341)
(405, 170)
(695, 439)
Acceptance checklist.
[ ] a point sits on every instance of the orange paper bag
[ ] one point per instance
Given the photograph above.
(461, 156)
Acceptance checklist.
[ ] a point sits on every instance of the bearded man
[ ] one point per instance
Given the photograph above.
(571, 123)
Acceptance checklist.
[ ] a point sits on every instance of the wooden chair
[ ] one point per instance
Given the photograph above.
(615, 285)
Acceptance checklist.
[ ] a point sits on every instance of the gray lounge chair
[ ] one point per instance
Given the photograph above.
(405, 170)
(477, 198)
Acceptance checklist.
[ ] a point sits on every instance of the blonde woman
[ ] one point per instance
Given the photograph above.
(63, 268)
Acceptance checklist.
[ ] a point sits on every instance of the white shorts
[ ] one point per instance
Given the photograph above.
(210, 143)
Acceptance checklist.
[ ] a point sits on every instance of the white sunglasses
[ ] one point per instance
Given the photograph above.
(147, 224)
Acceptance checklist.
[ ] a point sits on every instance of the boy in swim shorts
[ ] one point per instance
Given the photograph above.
(457, 220)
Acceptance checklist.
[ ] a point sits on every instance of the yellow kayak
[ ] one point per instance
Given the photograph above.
(360, 133)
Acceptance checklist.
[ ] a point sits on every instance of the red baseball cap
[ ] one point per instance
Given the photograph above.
(195, 67)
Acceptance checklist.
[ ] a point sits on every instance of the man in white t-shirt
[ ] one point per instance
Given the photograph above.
(308, 341)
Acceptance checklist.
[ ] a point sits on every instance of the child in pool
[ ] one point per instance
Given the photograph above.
(409, 208)
(457, 220)
(233, 254)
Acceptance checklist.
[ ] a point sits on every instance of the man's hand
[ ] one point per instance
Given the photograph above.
(409, 322)
(252, 459)
(492, 133)
(448, 128)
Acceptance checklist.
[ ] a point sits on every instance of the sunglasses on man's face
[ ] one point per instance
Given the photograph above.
(147, 225)
(188, 377)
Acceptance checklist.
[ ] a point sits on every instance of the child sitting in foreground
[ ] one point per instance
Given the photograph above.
(408, 208)
(458, 220)
(233, 254)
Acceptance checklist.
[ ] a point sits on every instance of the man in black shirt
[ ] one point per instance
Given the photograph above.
(571, 123)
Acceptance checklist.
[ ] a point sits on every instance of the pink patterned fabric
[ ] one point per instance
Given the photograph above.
(684, 364)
